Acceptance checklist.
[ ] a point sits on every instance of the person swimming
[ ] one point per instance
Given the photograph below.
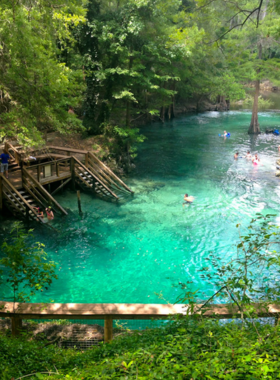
(236, 155)
(225, 134)
(188, 199)
(248, 155)
(256, 160)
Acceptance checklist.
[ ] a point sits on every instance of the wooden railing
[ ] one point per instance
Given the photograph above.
(108, 312)
(16, 200)
(69, 151)
(45, 170)
(107, 173)
(38, 192)
(81, 167)
(16, 155)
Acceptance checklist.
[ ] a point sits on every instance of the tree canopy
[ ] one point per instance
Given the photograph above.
(122, 62)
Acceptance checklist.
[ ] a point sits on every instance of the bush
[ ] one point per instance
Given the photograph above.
(184, 349)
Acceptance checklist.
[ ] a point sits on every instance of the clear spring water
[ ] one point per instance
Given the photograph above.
(129, 252)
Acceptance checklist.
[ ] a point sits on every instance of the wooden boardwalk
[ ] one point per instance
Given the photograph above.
(32, 175)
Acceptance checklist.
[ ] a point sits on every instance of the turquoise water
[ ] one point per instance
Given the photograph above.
(129, 252)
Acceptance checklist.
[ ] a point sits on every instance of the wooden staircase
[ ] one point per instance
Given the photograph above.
(25, 190)
(20, 203)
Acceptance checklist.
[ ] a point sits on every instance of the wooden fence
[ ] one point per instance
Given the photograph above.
(108, 312)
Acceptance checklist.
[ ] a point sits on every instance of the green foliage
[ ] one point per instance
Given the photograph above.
(247, 279)
(37, 83)
(263, 103)
(184, 349)
(24, 269)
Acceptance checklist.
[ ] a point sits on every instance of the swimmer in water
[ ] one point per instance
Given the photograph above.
(225, 133)
(188, 199)
(248, 155)
(236, 155)
(256, 160)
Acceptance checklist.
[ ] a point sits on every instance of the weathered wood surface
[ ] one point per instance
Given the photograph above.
(65, 149)
(38, 187)
(14, 194)
(119, 311)
(80, 167)
(108, 170)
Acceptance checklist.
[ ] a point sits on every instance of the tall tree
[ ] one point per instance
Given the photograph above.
(37, 84)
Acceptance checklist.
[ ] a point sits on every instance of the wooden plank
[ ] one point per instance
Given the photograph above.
(31, 189)
(26, 188)
(63, 149)
(9, 185)
(122, 311)
(54, 178)
(82, 179)
(92, 165)
(64, 158)
(110, 171)
(94, 176)
(44, 191)
(61, 186)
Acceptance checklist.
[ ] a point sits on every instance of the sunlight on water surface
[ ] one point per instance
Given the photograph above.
(144, 245)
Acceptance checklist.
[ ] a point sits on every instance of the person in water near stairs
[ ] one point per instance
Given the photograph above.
(188, 199)
(4, 157)
(40, 213)
(49, 212)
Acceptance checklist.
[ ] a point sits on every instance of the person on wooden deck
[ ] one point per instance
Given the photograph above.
(188, 199)
(4, 157)
(49, 212)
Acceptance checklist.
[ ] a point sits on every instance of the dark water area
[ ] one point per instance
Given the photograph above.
(130, 251)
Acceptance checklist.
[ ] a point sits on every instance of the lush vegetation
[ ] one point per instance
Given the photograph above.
(185, 349)
(104, 67)
(24, 267)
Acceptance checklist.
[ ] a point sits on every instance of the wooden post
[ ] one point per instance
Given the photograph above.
(38, 173)
(72, 168)
(16, 325)
(79, 201)
(57, 169)
(108, 329)
(86, 160)
(1, 192)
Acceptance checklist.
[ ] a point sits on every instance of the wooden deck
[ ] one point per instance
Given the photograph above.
(108, 312)
(16, 179)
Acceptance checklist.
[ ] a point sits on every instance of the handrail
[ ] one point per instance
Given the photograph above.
(108, 312)
(16, 152)
(91, 155)
(96, 178)
(43, 190)
(47, 163)
(65, 149)
(8, 183)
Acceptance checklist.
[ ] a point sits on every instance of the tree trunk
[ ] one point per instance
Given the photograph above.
(254, 126)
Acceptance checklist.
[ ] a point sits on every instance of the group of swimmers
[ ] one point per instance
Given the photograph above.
(254, 158)
(40, 213)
